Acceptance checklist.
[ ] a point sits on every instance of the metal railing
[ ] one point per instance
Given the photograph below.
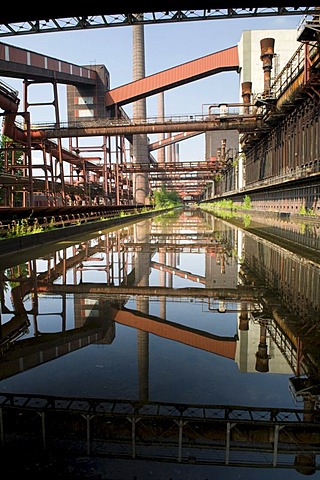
(228, 110)
(292, 70)
(203, 434)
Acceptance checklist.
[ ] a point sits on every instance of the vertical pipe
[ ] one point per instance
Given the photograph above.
(61, 166)
(267, 54)
(223, 149)
(25, 108)
(61, 172)
(105, 171)
(246, 95)
(162, 283)
(161, 151)
(29, 159)
(53, 187)
(262, 357)
(46, 179)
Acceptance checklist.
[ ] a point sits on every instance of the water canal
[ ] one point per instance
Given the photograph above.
(115, 334)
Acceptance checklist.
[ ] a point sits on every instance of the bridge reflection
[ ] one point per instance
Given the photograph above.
(121, 262)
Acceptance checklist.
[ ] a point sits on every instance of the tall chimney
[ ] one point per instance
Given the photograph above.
(267, 54)
(246, 95)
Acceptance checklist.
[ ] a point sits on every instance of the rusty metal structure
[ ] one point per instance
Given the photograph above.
(71, 177)
(106, 174)
(42, 19)
(282, 163)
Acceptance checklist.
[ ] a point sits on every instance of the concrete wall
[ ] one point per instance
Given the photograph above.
(249, 55)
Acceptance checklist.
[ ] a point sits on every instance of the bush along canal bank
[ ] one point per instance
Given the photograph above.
(31, 241)
(297, 233)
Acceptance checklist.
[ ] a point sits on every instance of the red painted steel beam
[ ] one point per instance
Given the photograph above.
(19, 62)
(222, 61)
(223, 346)
(172, 139)
(178, 273)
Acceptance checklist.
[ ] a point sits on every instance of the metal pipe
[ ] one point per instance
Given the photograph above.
(246, 95)
(267, 54)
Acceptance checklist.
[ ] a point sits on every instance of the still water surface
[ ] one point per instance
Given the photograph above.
(179, 308)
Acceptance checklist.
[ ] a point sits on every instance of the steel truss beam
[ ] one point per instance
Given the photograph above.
(37, 22)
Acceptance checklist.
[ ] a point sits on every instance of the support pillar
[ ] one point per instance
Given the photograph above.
(133, 421)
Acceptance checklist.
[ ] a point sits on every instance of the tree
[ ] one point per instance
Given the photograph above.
(9, 155)
(164, 198)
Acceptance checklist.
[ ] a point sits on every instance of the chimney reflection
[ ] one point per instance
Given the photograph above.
(142, 272)
(262, 358)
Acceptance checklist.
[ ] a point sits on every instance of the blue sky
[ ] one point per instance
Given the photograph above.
(166, 45)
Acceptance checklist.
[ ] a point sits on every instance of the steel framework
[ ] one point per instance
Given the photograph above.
(155, 430)
(74, 18)
(101, 181)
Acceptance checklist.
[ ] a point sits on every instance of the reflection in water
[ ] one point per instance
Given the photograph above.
(182, 330)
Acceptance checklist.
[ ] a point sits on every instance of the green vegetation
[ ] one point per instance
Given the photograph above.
(165, 199)
(305, 211)
(22, 228)
(26, 227)
(225, 214)
(6, 161)
(227, 204)
(167, 217)
(226, 209)
(18, 271)
(220, 205)
(246, 204)
(246, 220)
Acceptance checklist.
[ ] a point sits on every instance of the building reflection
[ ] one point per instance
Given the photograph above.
(276, 307)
